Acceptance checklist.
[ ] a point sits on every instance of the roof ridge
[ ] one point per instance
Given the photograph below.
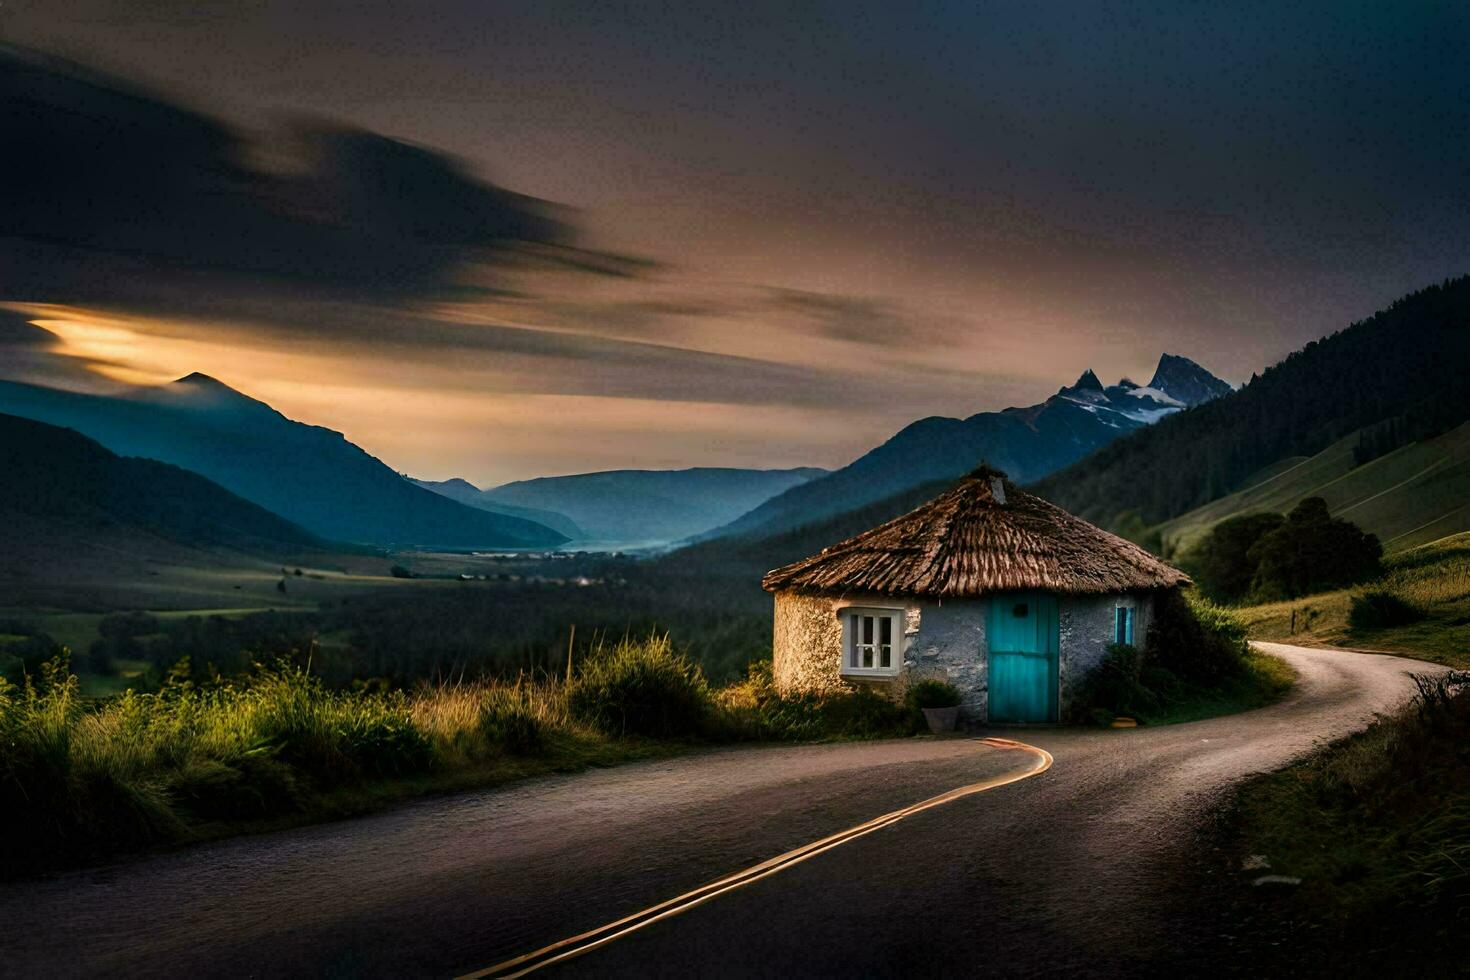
(964, 542)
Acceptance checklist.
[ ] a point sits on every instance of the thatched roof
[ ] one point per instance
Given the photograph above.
(985, 535)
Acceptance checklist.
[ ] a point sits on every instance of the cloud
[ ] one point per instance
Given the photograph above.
(34, 354)
(110, 192)
(859, 319)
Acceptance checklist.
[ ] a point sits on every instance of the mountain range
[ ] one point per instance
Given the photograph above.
(307, 474)
(1028, 443)
(472, 496)
(650, 506)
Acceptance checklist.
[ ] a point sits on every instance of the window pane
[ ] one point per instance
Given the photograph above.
(868, 655)
(867, 629)
(852, 640)
(885, 630)
(1118, 625)
(1128, 628)
(886, 658)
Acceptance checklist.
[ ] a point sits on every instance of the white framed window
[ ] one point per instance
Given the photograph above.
(1123, 624)
(872, 641)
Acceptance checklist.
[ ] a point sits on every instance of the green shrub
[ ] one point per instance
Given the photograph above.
(331, 737)
(865, 713)
(641, 688)
(508, 720)
(1196, 640)
(754, 709)
(1221, 563)
(931, 693)
(1195, 661)
(1116, 686)
(1382, 609)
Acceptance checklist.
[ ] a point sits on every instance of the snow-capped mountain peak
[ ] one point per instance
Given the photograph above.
(1186, 381)
(1178, 383)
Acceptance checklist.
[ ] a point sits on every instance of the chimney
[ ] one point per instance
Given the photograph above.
(998, 490)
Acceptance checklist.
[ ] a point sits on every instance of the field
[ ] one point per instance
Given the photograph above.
(1433, 578)
(1409, 497)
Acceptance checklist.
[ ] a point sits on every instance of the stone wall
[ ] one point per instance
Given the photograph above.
(807, 645)
(942, 639)
(950, 645)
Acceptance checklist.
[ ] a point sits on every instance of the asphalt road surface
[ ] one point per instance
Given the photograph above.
(1074, 871)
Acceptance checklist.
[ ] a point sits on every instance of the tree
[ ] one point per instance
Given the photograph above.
(1312, 552)
(1221, 564)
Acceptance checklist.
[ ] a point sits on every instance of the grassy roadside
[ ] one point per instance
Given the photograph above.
(1376, 827)
(1432, 580)
(1265, 680)
(83, 781)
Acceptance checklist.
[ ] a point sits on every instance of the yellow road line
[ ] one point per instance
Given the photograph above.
(575, 946)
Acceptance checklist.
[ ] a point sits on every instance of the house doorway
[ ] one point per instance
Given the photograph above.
(1023, 641)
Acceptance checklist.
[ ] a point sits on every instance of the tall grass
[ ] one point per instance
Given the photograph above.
(1377, 827)
(81, 780)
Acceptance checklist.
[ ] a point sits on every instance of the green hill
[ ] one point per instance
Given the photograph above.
(1409, 496)
(85, 528)
(1434, 578)
(57, 476)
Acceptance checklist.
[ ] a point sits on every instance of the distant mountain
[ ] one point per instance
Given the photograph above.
(651, 506)
(736, 563)
(467, 493)
(307, 474)
(1402, 373)
(1186, 381)
(61, 487)
(1027, 443)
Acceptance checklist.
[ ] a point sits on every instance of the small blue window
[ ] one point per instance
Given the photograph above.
(1123, 625)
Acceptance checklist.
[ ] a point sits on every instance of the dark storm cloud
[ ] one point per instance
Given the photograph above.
(109, 191)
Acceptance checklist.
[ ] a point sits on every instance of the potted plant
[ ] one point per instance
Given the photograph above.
(940, 702)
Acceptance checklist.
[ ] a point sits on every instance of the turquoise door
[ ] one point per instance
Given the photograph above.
(1022, 637)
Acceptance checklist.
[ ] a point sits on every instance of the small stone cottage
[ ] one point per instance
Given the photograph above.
(1008, 597)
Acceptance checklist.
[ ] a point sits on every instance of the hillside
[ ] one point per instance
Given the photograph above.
(1027, 443)
(1434, 578)
(55, 475)
(1408, 497)
(651, 506)
(1405, 365)
(310, 475)
(81, 525)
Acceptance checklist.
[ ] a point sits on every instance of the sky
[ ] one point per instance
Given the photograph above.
(497, 241)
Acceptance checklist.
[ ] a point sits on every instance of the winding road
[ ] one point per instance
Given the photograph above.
(1075, 869)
